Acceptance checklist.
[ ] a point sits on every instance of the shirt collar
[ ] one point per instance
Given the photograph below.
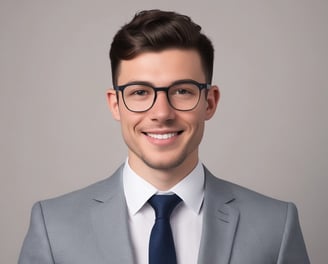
(138, 191)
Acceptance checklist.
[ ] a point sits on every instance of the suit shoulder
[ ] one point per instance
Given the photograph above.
(99, 191)
(245, 196)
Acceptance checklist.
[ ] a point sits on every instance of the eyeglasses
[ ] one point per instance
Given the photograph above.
(182, 95)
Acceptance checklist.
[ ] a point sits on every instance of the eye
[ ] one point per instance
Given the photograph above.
(140, 92)
(184, 90)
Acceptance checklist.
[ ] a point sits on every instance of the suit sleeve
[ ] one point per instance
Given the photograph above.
(36, 248)
(292, 248)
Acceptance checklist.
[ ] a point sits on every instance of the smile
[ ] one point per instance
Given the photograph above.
(162, 136)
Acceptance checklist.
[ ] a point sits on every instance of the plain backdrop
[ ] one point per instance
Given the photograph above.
(269, 134)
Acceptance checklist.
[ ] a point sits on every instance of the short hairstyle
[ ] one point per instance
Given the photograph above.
(156, 30)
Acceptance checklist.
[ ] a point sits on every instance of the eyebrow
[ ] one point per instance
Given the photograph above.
(152, 85)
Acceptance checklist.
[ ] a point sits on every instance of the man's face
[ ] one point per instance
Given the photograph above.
(162, 138)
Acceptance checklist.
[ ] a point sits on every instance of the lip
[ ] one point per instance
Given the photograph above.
(162, 136)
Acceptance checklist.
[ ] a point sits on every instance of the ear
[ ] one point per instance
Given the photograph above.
(213, 97)
(113, 104)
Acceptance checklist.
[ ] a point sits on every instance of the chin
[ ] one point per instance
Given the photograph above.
(163, 165)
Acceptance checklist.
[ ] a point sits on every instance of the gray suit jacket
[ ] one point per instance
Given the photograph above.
(90, 226)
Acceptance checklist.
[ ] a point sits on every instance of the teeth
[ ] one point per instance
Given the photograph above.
(162, 136)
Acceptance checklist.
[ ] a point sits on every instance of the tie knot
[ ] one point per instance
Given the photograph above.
(164, 204)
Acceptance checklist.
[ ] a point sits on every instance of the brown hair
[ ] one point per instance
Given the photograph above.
(156, 30)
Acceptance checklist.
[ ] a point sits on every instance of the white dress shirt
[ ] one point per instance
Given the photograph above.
(186, 219)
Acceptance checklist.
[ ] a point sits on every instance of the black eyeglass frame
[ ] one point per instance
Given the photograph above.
(165, 89)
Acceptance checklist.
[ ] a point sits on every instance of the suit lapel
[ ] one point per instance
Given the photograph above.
(220, 221)
(110, 222)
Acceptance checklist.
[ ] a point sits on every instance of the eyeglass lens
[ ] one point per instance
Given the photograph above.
(140, 97)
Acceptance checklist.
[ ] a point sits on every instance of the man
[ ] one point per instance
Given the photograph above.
(162, 70)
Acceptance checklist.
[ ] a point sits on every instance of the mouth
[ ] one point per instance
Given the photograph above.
(163, 136)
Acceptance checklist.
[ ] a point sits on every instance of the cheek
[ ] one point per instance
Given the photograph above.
(129, 122)
(201, 117)
(200, 129)
(127, 132)
(197, 123)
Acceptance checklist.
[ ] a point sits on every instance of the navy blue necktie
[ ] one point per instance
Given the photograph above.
(161, 244)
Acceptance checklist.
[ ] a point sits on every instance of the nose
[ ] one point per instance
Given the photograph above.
(162, 110)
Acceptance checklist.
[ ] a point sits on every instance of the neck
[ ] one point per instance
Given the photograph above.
(163, 179)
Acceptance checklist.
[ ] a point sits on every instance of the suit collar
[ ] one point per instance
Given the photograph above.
(220, 222)
(110, 187)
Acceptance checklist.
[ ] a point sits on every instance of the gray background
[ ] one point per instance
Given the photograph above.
(270, 132)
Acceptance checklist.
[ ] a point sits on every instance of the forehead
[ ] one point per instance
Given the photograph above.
(162, 68)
